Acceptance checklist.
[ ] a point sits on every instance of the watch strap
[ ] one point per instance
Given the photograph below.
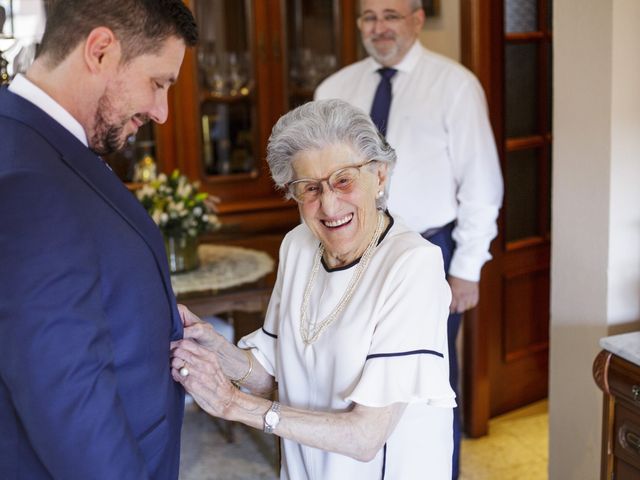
(275, 408)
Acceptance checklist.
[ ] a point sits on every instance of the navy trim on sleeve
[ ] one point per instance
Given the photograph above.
(384, 462)
(404, 354)
(270, 334)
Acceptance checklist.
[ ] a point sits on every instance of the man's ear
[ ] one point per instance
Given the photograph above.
(101, 50)
(418, 19)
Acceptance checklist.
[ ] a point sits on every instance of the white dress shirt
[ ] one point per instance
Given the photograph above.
(26, 89)
(448, 167)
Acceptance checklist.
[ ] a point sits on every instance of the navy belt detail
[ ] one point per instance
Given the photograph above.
(430, 232)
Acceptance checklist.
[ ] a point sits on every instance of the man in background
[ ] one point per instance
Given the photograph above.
(447, 184)
(86, 311)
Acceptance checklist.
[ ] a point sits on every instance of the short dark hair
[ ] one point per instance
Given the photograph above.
(141, 26)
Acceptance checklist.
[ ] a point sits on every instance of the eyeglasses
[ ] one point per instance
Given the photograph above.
(369, 20)
(341, 181)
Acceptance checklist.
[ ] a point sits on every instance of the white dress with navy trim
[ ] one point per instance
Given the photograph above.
(389, 345)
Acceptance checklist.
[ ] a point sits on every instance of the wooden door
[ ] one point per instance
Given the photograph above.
(507, 43)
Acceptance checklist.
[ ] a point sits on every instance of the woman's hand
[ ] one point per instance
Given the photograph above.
(187, 316)
(199, 331)
(205, 381)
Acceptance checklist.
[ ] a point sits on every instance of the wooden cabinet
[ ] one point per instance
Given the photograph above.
(256, 60)
(620, 382)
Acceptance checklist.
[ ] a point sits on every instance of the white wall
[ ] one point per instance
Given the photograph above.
(624, 243)
(442, 33)
(595, 270)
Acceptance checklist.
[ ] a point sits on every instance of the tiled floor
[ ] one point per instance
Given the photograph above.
(515, 449)
(206, 454)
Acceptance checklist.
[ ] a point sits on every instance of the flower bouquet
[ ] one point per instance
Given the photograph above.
(181, 213)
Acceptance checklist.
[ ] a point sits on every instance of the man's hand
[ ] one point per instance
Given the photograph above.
(464, 294)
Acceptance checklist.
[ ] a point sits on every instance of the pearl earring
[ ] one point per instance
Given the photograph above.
(380, 193)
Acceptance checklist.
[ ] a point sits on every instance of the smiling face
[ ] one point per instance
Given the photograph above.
(136, 94)
(389, 41)
(343, 222)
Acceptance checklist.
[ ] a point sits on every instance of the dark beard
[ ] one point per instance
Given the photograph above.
(106, 138)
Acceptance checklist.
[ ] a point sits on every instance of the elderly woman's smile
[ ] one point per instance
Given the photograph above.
(375, 328)
(340, 191)
(338, 223)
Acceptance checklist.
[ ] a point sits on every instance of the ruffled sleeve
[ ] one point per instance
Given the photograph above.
(408, 360)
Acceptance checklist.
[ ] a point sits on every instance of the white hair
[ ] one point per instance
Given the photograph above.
(319, 124)
(413, 4)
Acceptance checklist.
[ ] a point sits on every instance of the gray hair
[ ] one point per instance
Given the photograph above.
(413, 5)
(322, 123)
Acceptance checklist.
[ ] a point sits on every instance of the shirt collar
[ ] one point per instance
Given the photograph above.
(407, 63)
(26, 89)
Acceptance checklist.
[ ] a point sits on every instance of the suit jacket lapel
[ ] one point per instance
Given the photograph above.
(98, 176)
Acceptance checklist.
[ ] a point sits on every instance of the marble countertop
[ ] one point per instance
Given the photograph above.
(626, 346)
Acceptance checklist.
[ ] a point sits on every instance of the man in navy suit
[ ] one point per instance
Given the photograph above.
(86, 307)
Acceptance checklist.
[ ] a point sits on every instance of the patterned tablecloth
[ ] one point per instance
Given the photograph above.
(223, 267)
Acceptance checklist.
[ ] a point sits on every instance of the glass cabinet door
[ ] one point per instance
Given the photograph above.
(225, 78)
(313, 40)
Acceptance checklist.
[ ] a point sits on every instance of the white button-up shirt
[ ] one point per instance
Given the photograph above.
(448, 167)
(23, 87)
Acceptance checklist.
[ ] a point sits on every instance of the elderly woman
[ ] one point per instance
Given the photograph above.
(354, 338)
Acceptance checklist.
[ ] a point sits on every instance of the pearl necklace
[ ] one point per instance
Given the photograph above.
(310, 333)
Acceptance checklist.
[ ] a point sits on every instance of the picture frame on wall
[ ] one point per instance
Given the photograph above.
(431, 7)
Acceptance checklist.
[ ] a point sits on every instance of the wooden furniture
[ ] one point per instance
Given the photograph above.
(619, 379)
(229, 280)
(256, 60)
(252, 297)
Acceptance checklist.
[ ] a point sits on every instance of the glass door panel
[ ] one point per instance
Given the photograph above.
(313, 42)
(521, 201)
(520, 16)
(226, 88)
(527, 120)
(521, 85)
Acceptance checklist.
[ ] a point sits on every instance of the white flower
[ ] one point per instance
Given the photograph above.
(184, 190)
(146, 191)
(175, 205)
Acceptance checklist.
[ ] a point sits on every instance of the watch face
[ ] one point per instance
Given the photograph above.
(272, 418)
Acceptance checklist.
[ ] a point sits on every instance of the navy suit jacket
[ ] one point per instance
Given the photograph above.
(86, 314)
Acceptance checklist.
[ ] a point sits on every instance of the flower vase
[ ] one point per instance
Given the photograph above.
(182, 253)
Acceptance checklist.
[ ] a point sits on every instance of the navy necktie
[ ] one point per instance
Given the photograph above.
(382, 99)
